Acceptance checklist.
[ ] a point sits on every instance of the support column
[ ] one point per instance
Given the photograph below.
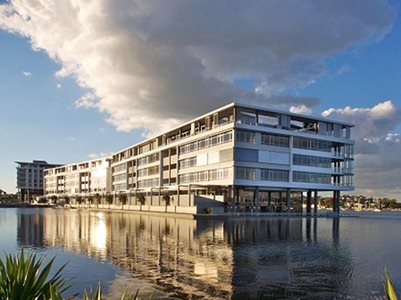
(336, 201)
(308, 201)
(315, 203)
(288, 199)
(256, 199)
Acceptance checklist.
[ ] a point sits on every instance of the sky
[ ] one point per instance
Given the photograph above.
(81, 79)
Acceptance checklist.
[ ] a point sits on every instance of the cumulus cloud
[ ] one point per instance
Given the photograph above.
(343, 69)
(301, 109)
(154, 63)
(26, 73)
(99, 155)
(378, 146)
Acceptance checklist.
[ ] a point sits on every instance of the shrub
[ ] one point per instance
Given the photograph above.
(26, 277)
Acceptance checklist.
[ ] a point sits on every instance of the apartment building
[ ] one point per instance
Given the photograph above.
(239, 158)
(30, 178)
(80, 179)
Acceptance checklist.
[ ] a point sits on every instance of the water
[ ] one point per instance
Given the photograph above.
(243, 258)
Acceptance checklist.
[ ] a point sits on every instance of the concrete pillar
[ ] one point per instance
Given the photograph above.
(315, 202)
(336, 201)
(308, 201)
(302, 202)
(288, 200)
(256, 198)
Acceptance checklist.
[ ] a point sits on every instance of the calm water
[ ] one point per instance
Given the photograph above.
(251, 258)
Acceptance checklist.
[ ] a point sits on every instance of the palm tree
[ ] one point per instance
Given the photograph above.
(141, 199)
(78, 199)
(53, 198)
(123, 199)
(109, 199)
(67, 200)
(98, 198)
(90, 200)
(167, 199)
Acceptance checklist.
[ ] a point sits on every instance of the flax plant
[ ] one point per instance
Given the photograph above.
(388, 287)
(27, 277)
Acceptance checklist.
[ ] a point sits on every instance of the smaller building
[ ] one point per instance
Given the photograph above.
(72, 180)
(30, 178)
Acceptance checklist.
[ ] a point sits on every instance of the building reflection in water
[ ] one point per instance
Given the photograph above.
(235, 258)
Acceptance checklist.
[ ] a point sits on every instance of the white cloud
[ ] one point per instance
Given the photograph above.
(301, 109)
(99, 155)
(58, 85)
(26, 73)
(343, 69)
(154, 63)
(378, 146)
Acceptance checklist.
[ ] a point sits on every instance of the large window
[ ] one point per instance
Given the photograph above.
(216, 174)
(311, 177)
(313, 161)
(148, 183)
(274, 175)
(207, 142)
(312, 144)
(245, 173)
(246, 137)
(148, 171)
(187, 163)
(275, 140)
(119, 177)
(148, 159)
(120, 168)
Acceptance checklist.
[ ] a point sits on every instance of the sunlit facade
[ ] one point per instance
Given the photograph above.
(236, 158)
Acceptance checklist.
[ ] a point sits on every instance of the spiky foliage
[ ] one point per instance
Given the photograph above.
(27, 277)
(123, 198)
(388, 287)
(109, 199)
(141, 198)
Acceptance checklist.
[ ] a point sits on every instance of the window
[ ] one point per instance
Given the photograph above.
(246, 137)
(313, 161)
(275, 140)
(274, 175)
(207, 142)
(187, 163)
(245, 173)
(148, 183)
(148, 159)
(312, 144)
(311, 177)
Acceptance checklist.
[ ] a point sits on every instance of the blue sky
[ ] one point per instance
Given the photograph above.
(144, 76)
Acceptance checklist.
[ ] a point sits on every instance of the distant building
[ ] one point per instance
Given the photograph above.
(2, 192)
(237, 158)
(30, 178)
(86, 177)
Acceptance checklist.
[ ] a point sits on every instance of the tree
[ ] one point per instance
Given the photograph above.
(66, 199)
(98, 198)
(78, 199)
(90, 200)
(123, 199)
(109, 199)
(53, 199)
(141, 199)
(167, 199)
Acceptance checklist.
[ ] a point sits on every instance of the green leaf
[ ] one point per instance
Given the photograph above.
(390, 291)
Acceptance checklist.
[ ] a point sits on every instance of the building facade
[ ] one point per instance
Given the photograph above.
(80, 179)
(236, 158)
(30, 178)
